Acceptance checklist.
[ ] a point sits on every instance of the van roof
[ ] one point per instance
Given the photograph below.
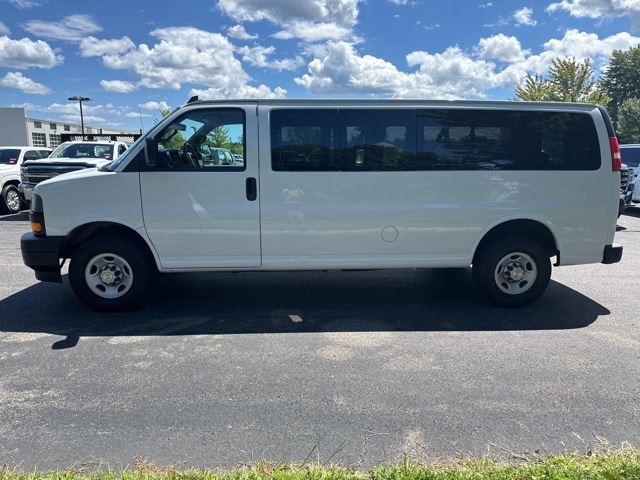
(398, 102)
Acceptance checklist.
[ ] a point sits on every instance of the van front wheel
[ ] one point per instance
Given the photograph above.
(109, 273)
(513, 272)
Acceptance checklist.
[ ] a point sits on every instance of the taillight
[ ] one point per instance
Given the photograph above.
(616, 159)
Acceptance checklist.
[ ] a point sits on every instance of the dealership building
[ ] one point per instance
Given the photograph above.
(19, 130)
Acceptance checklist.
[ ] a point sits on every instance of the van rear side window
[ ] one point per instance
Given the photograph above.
(433, 139)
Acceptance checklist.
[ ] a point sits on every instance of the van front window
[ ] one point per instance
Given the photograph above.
(206, 139)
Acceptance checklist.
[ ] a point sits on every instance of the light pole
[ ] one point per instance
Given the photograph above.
(81, 99)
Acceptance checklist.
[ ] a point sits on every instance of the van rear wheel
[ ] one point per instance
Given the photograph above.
(109, 273)
(513, 272)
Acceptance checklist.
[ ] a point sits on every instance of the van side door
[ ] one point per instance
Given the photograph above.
(200, 213)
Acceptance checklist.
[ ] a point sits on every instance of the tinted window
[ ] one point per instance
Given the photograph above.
(9, 156)
(377, 140)
(630, 155)
(31, 155)
(304, 139)
(506, 140)
(434, 139)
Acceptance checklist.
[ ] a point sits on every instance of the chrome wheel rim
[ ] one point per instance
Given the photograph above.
(13, 201)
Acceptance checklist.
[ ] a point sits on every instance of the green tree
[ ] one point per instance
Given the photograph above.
(219, 138)
(622, 78)
(534, 89)
(629, 121)
(568, 81)
(175, 140)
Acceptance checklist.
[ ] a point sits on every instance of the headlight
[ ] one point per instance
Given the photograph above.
(24, 174)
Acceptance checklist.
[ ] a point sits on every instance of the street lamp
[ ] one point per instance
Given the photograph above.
(81, 99)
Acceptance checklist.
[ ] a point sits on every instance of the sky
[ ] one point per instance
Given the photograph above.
(136, 58)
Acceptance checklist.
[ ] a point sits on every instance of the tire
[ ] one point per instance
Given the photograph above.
(11, 202)
(513, 272)
(110, 273)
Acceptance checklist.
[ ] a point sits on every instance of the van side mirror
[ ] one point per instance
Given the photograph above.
(150, 152)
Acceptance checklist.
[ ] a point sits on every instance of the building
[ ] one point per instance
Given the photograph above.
(17, 129)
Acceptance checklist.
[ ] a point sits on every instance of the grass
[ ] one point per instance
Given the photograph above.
(622, 463)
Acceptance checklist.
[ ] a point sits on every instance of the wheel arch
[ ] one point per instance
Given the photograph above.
(527, 228)
(84, 232)
(11, 181)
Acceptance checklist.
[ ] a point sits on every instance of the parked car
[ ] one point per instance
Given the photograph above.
(11, 158)
(220, 156)
(630, 154)
(67, 157)
(627, 187)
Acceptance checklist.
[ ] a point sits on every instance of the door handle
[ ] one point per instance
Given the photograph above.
(252, 189)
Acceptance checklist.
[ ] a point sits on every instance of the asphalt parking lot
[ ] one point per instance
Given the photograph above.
(223, 369)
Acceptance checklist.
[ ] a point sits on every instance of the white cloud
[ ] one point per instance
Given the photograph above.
(73, 28)
(309, 20)
(93, 47)
(501, 47)
(181, 55)
(313, 31)
(451, 74)
(118, 86)
(239, 91)
(157, 106)
(17, 81)
(282, 11)
(259, 56)
(496, 62)
(523, 17)
(239, 32)
(589, 45)
(599, 8)
(338, 68)
(4, 30)
(22, 4)
(26, 53)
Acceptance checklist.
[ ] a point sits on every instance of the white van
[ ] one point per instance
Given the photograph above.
(340, 184)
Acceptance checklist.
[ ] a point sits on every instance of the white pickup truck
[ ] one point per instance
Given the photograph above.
(11, 158)
(68, 157)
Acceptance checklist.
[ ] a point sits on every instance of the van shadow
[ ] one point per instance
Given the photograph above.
(296, 302)
(632, 211)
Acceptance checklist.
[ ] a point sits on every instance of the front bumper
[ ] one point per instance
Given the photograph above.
(42, 255)
(26, 191)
